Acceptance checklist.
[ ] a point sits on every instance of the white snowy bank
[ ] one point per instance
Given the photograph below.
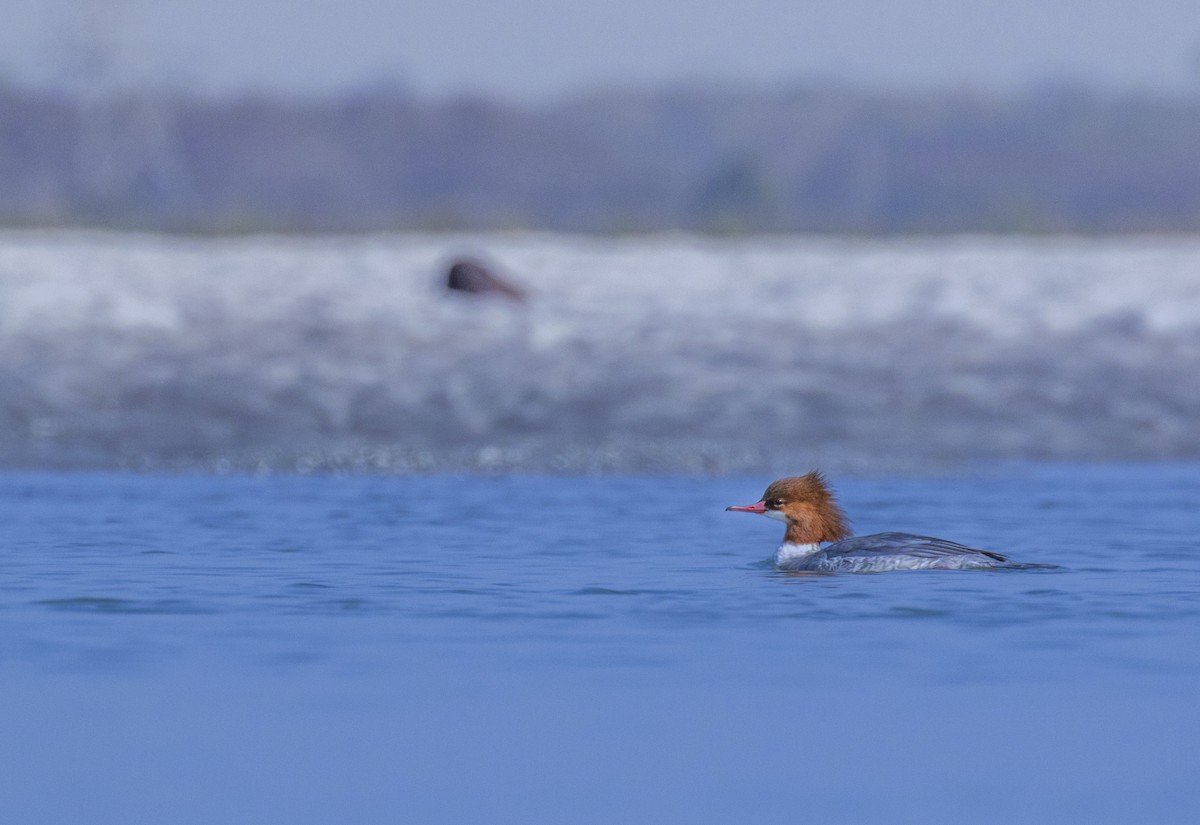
(667, 353)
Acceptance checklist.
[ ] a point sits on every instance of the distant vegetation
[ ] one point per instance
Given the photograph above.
(722, 160)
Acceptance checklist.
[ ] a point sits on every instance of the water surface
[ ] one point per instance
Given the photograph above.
(540, 649)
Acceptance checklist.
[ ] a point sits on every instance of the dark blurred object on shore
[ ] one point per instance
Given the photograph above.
(471, 275)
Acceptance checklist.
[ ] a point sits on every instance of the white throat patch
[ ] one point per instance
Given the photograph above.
(775, 514)
(789, 552)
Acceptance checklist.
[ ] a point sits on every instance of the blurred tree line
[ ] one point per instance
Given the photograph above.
(714, 159)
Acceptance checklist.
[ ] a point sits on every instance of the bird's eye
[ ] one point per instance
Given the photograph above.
(775, 503)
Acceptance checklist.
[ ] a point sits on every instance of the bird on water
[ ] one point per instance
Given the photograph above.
(818, 536)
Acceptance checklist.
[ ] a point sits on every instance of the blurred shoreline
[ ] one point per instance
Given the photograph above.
(661, 354)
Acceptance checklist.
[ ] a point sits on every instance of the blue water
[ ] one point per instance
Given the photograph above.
(532, 649)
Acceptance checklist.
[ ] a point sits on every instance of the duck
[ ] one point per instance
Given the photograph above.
(818, 538)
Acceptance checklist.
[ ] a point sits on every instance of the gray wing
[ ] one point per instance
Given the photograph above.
(883, 544)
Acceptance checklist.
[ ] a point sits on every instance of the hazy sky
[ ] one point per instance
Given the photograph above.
(534, 48)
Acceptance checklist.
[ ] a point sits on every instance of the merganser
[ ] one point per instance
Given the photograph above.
(818, 536)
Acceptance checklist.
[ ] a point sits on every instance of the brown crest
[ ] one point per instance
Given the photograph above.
(813, 514)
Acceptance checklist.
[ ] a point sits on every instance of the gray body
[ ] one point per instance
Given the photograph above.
(891, 551)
